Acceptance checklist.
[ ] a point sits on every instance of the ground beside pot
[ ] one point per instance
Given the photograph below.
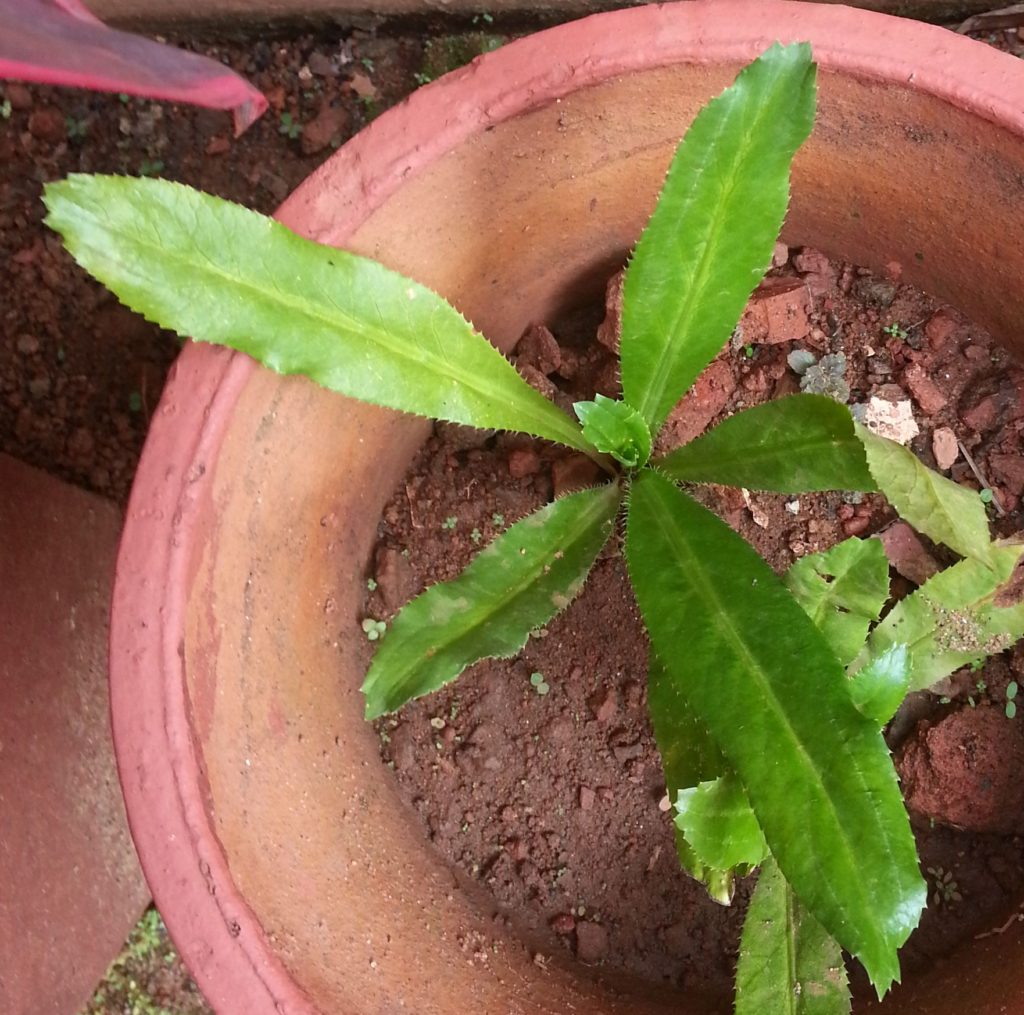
(248, 750)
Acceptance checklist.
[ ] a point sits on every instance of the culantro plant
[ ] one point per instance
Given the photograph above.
(768, 694)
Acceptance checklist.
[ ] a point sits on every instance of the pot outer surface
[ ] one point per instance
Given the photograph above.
(290, 877)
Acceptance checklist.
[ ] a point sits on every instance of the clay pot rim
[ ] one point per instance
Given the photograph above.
(216, 932)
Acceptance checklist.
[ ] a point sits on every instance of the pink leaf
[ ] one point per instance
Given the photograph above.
(58, 42)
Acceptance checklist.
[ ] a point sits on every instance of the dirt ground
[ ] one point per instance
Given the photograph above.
(80, 376)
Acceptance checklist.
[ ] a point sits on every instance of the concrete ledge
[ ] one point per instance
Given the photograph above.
(239, 13)
(71, 884)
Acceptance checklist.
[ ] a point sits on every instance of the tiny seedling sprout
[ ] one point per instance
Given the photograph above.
(374, 629)
(289, 126)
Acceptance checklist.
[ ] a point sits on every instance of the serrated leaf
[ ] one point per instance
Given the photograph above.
(878, 689)
(789, 964)
(615, 428)
(759, 676)
(717, 821)
(689, 757)
(842, 590)
(710, 239)
(943, 510)
(520, 581)
(217, 272)
(791, 445)
(951, 620)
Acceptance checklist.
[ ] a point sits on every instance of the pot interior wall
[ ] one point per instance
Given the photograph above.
(512, 225)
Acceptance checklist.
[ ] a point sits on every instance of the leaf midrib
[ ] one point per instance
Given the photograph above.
(685, 311)
(374, 334)
(754, 667)
(756, 455)
(592, 515)
(791, 929)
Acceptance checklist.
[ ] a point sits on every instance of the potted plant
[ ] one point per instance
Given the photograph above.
(214, 657)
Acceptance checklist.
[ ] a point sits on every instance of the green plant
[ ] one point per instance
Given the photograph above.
(77, 127)
(539, 684)
(151, 167)
(6, 109)
(289, 126)
(744, 665)
(945, 891)
(1011, 703)
(895, 331)
(374, 629)
(133, 975)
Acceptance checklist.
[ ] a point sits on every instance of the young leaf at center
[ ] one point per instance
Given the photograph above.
(520, 581)
(615, 428)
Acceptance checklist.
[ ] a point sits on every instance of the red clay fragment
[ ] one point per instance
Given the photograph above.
(59, 42)
(777, 312)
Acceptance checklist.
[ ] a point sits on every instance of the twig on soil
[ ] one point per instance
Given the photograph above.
(1004, 17)
(980, 476)
(416, 524)
(1016, 918)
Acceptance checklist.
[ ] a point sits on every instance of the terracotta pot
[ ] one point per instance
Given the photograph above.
(272, 837)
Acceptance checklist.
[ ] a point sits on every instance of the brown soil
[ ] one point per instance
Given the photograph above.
(79, 374)
(552, 801)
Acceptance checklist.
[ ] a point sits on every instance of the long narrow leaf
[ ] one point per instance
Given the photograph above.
(943, 510)
(842, 590)
(789, 965)
(951, 620)
(760, 677)
(520, 581)
(791, 445)
(710, 239)
(689, 757)
(217, 272)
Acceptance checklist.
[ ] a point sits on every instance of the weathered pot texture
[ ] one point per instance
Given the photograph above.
(273, 839)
